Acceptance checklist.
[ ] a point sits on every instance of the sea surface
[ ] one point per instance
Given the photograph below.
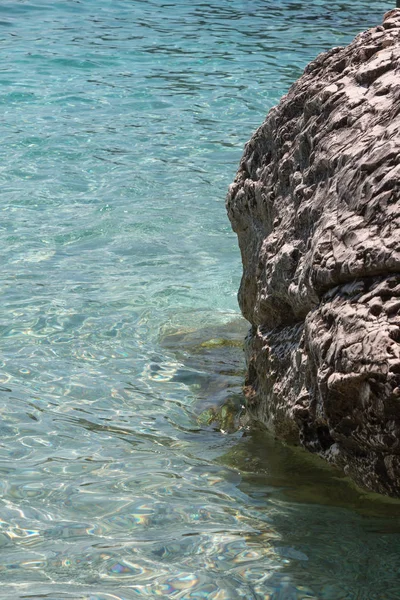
(124, 472)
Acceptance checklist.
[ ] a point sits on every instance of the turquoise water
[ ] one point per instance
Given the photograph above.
(122, 125)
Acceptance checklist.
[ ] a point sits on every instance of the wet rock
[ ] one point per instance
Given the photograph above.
(315, 205)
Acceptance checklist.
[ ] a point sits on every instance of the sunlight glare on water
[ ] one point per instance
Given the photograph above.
(123, 123)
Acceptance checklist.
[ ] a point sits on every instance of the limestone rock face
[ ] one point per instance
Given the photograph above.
(315, 205)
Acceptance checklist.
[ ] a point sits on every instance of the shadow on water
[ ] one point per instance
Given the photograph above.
(336, 541)
(270, 468)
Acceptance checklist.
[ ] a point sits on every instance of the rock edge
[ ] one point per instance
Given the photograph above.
(315, 205)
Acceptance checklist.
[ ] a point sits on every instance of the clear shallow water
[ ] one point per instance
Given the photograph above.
(122, 126)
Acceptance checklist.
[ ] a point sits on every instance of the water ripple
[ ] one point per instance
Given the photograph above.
(124, 472)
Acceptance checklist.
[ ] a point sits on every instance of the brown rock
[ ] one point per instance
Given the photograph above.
(315, 205)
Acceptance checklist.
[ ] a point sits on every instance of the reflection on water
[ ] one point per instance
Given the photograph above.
(124, 470)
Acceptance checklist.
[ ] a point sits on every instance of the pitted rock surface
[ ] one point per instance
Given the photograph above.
(315, 205)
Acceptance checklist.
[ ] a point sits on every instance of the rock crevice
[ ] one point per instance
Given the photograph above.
(315, 205)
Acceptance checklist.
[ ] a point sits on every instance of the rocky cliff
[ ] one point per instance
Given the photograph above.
(315, 205)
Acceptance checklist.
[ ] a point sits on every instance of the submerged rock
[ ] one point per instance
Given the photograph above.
(315, 205)
(210, 361)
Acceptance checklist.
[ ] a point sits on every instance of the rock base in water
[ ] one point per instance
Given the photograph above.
(315, 205)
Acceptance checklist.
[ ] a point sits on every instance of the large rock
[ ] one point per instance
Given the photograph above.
(315, 205)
